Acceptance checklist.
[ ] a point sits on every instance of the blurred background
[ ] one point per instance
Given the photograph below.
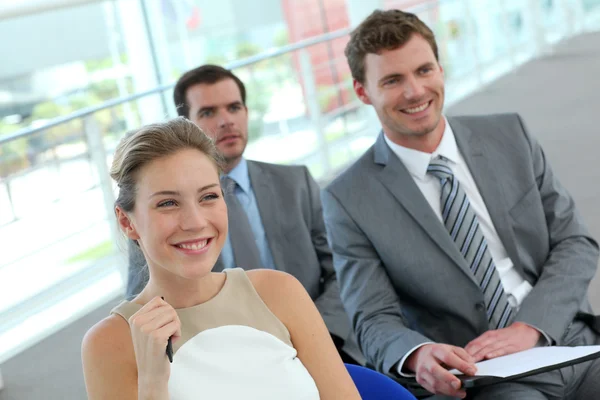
(75, 75)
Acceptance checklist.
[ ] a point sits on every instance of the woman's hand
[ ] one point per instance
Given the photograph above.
(151, 328)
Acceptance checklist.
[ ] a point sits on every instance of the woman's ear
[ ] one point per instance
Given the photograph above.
(126, 224)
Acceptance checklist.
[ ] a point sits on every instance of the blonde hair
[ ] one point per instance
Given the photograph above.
(143, 145)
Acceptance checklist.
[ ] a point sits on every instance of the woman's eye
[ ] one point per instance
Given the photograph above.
(166, 203)
(212, 196)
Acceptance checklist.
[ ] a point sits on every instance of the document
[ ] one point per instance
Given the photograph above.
(535, 360)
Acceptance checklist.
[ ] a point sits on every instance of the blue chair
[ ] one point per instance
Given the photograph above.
(375, 386)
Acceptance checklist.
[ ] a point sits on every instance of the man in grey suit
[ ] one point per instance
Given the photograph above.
(453, 241)
(275, 213)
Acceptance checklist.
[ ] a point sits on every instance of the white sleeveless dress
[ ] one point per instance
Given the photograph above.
(232, 348)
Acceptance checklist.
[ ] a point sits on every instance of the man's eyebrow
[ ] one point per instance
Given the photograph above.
(205, 108)
(389, 76)
(428, 64)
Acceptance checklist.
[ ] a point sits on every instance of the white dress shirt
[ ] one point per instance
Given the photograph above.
(416, 162)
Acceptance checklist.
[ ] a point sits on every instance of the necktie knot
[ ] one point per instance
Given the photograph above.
(228, 185)
(440, 169)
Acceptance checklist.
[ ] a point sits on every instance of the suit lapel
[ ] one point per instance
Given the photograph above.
(269, 209)
(396, 178)
(480, 161)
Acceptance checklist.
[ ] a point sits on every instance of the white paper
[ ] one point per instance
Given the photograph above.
(529, 360)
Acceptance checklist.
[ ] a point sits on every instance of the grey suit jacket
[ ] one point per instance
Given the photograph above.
(403, 280)
(289, 203)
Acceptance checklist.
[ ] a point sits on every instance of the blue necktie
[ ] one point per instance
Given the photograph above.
(461, 222)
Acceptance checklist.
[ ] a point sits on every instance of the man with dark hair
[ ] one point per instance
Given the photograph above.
(205, 74)
(275, 213)
(453, 240)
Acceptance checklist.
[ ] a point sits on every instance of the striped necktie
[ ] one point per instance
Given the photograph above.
(461, 222)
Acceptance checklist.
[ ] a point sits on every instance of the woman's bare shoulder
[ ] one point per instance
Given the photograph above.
(270, 283)
(280, 291)
(109, 339)
(109, 365)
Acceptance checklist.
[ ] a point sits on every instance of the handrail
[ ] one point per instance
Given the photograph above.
(84, 112)
(20, 9)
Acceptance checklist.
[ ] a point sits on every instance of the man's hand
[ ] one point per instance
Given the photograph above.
(500, 342)
(431, 363)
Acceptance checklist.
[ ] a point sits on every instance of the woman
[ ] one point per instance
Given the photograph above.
(235, 335)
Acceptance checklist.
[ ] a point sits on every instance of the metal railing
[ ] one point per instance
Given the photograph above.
(65, 248)
(300, 45)
(20, 306)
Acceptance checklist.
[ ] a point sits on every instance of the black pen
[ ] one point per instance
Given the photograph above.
(169, 346)
(170, 350)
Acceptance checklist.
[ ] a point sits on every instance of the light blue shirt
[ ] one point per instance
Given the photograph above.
(245, 194)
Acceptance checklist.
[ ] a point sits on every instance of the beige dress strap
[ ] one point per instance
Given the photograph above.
(238, 303)
(125, 309)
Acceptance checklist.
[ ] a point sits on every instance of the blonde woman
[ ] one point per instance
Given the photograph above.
(234, 335)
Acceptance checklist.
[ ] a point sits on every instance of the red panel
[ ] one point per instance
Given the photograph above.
(305, 19)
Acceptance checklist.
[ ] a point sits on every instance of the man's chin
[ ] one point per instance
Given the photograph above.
(423, 132)
(230, 152)
(422, 129)
(232, 158)
(417, 131)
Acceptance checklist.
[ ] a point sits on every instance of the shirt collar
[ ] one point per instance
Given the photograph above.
(416, 162)
(240, 175)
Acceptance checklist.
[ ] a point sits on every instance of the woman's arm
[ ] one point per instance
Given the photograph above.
(109, 366)
(289, 301)
(127, 360)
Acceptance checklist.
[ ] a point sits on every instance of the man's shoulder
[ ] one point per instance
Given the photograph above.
(279, 169)
(355, 174)
(504, 131)
(505, 120)
(287, 178)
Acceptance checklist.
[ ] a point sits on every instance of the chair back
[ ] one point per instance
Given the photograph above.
(373, 385)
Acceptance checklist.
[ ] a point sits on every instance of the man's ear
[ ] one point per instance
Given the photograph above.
(126, 224)
(361, 92)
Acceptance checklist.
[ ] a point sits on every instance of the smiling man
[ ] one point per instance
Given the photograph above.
(453, 241)
(275, 212)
